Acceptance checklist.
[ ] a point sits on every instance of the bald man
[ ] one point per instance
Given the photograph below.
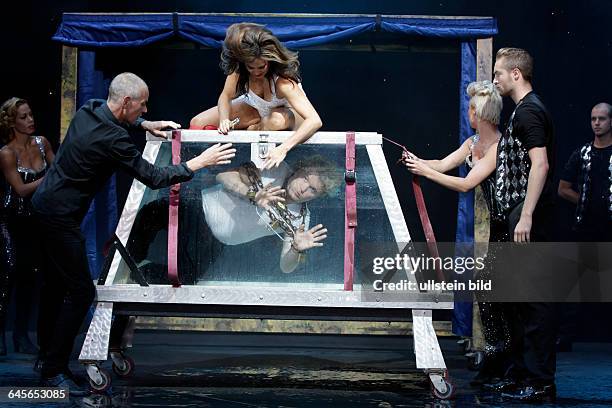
(96, 145)
(587, 180)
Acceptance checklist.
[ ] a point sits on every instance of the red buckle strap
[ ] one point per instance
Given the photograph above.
(432, 246)
(173, 209)
(430, 237)
(350, 212)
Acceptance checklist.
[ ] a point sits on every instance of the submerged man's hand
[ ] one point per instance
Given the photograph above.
(213, 156)
(269, 195)
(304, 240)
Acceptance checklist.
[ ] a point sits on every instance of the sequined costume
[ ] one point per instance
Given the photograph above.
(7, 273)
(20, 247)
(495, 328)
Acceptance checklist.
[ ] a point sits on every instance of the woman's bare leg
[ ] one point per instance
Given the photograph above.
(247, 114)
(278, 119)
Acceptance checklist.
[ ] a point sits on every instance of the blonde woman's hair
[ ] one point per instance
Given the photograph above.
(8, 115)
(486, 101)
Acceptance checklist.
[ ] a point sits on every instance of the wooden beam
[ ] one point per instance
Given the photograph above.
(442, 328)
(484, 71)
(69, 88)
(484, 59)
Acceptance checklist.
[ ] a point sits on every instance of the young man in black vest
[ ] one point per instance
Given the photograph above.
(524, 190)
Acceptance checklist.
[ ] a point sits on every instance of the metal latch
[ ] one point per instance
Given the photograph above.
(262, 146)
(350, 176)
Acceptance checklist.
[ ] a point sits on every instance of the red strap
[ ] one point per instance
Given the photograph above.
(173, 215)
(350, 212)
(432, 246)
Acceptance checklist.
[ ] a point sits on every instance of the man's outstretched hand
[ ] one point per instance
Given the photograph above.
(213, 156)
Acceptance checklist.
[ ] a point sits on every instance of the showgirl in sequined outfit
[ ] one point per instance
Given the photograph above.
(24, 160)
(479, 153)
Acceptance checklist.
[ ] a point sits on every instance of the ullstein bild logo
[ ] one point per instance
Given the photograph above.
(432, 285)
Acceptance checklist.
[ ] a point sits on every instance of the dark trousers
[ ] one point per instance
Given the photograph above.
(28, 254)
(8, 265)
(67, 292)
(533, 325)
(20, 258)
(533, 336)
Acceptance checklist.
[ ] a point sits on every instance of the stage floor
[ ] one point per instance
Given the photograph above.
(266, 370)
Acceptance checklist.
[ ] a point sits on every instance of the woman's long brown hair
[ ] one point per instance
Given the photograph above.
(245, 42)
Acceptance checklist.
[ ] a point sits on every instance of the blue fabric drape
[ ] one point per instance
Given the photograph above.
(462, 312)
(113, 30)
(441, 28)
(295, 31)
(101, 218)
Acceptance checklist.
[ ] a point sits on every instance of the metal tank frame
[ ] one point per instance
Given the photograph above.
(330, 303)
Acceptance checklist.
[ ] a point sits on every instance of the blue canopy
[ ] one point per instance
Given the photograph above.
(294, 30)
(92, 31)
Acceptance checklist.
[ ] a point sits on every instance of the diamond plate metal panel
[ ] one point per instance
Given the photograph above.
(130, 210)
(426, 347)
(261, 296)
(388, 193)
(95, 347)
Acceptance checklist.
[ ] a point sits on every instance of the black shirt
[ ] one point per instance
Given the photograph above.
(530, 126)
(95, 146)
(591, 173)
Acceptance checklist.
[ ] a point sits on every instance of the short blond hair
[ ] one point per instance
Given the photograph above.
(486, 101)
(517, 58)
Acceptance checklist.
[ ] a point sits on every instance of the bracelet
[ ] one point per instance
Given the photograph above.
(251, 195)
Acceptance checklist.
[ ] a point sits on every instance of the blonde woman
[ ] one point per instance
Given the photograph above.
(479, 153)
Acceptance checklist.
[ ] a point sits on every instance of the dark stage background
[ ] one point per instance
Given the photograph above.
(410, 95)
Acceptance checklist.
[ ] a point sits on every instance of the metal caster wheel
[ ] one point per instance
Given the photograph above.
(441, 387)
(99, 380)
(475, 360)
(123, 366)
